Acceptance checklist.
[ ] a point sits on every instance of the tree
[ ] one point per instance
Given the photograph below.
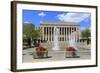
(86, 33)
(30, 32)
(37, 33)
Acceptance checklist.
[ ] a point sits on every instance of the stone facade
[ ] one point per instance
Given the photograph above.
(65, 29)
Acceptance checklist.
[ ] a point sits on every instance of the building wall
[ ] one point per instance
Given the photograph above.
(47, 30)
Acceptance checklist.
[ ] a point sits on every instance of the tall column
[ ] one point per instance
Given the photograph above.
(46, 34)
(66, 34)
(43, 34)
(71, 34)
(42, 31)
(52, 33)
(49, 33)
(61, 34)
(76, 34)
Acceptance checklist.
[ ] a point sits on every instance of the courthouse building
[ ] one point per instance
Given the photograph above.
(65, 29)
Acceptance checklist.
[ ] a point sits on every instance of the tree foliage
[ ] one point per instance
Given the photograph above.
(86, 33)
(30, 31)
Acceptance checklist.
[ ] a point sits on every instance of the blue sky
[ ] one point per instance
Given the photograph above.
(36, 16)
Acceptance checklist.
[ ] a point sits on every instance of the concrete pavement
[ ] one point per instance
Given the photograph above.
(55, 55)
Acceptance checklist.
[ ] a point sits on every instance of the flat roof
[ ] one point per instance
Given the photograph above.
(60, 23)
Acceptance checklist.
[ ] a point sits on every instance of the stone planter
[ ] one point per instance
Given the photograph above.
(40, 52)
(71, 52)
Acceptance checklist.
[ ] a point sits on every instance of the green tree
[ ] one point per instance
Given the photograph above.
(30, 32)
(37, 33)
(86, 33)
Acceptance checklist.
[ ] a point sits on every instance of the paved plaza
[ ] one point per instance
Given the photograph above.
(54, 55)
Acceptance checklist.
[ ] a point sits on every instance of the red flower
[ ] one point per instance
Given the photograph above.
(41, 49)
(70, 49)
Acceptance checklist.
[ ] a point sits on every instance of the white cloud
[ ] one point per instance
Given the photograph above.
(72, 17)
(42, 14)
(27, 22)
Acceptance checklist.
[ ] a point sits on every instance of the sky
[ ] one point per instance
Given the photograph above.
(37, 16)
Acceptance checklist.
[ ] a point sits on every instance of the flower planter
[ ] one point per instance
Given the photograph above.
(71, 52)
(40, 52)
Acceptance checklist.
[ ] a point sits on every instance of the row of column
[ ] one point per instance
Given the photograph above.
(48, 32)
